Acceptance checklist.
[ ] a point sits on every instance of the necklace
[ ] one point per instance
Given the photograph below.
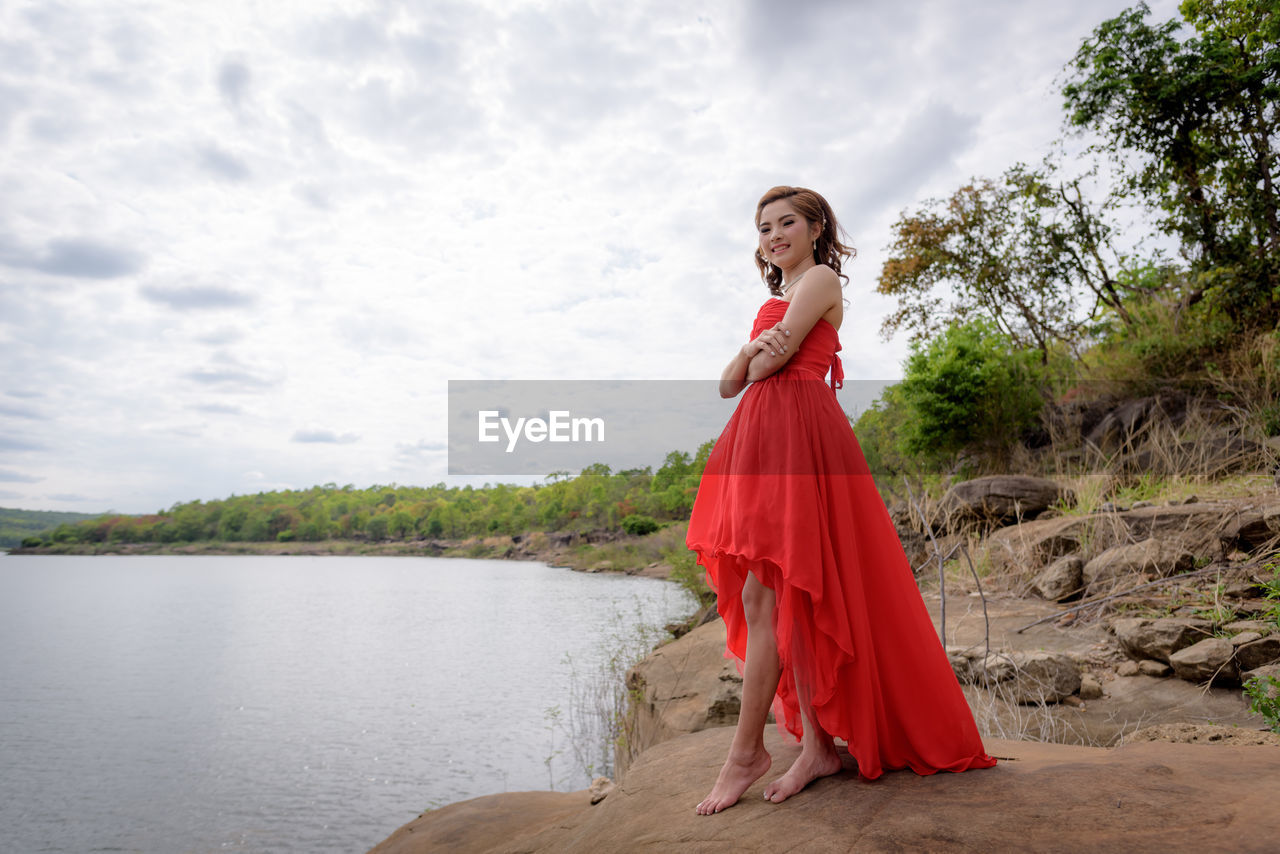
(791, 284)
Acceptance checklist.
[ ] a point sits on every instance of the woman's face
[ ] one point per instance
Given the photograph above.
(786, 238)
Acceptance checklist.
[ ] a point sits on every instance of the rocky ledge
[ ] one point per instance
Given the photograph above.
(1041, 797)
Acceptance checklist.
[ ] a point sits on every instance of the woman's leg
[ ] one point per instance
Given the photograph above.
(748, 760)
(818, 757)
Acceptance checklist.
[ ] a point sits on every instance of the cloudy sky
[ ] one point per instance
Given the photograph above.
(245, 245)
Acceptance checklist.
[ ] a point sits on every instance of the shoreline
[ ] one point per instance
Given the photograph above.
(577, 551)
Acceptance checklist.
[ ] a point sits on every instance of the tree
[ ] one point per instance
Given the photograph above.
(1192, 124)
(1018, 252)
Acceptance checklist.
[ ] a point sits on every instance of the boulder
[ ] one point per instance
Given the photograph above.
(1243, 638)
(1061, 580)
(1209, 659)
(1036, 543)
(1258, 653)
(999, 499)
(1151, 667)
(682, 687)
(1030, 677)
(1195, 525)
(1247, 531)
(1142, 638)
(1122, 424)
(1090, 687)
(1156, 557)
(962, 664)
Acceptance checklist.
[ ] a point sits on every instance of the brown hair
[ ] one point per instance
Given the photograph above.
(813, 208)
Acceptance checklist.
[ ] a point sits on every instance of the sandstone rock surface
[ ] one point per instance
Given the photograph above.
(682, 687)
(1146, 797)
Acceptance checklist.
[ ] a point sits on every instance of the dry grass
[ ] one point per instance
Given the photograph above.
(997, 715)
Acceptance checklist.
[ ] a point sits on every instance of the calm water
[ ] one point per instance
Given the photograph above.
(166, 704)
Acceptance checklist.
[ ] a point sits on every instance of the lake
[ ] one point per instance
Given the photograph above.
(267, 703)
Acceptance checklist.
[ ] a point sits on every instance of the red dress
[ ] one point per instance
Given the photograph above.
(787, 495)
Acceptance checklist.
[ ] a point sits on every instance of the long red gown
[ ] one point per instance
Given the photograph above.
(787, 495)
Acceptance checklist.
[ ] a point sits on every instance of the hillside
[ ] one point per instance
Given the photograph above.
(15, 524)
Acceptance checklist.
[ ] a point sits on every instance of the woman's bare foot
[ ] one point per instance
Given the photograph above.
(809, 766)
(737, 775)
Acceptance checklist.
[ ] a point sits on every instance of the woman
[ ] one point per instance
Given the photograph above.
(818, 598)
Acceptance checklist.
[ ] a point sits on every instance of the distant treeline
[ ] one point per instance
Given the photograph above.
(16, 525)
(635, 500)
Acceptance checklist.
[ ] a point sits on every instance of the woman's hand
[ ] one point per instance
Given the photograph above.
(773, 341)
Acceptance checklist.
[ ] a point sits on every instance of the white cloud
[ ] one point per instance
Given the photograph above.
(220, 221)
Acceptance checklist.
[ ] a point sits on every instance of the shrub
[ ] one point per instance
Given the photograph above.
(638, 525)
(686, 572)
(1264, 699)
(968, 388)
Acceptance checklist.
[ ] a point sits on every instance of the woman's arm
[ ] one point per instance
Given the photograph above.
(733, 378)
(814, 297)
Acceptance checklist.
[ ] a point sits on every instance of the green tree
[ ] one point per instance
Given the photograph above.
(1192, 126)
(376, 528)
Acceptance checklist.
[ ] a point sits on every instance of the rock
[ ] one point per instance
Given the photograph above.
(1030, 677)
(1260, 627)
(1271, 516)
(1061, 580)
(1209, 659)
(1150, 667)
(1127, 668)
(601, 788)
(1192, 525)
(682, 687)
(1140, 798)
(1246, 531)
(1259, 653)
(1090, 687)
(1244, 638)
(999, 499)
(1035, 543)
(1154, 556)
(1142, 638)
(1122, 424)
(962, 664)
